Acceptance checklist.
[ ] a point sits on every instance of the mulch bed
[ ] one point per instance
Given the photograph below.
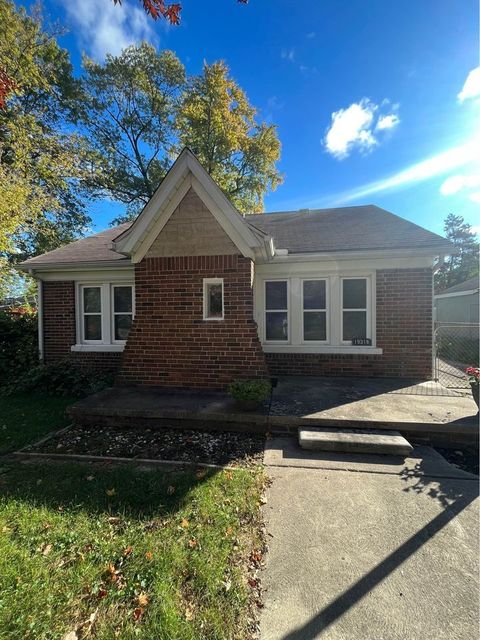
(212, 447)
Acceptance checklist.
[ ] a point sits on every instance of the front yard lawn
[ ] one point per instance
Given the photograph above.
(105, 552)
(25, 418)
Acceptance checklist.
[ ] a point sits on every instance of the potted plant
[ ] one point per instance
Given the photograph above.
(249, 394)
(474, 378)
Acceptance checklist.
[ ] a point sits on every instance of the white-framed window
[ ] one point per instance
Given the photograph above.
(355, 309)
(104, 315)
(213, 302)
(315, 310)
(276, 311)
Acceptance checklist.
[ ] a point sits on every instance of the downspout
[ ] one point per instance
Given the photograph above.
(40, 319)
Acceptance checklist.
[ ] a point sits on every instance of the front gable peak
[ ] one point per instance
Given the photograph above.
(185, 177)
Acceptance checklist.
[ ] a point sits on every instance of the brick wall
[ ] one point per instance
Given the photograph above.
(59, 330)
(171, 345)
(404, 332)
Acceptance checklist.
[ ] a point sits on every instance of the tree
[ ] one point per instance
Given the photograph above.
(159, 8)
(41, 160)
(127, 109)
(218, 123)
(138, 111)
(463, 264)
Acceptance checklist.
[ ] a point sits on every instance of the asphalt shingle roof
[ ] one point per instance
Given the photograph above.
(323, 230)
(469, 285)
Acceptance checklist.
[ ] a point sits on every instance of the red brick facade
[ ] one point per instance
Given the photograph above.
(171, 345)
(58, 300)
(404, 332)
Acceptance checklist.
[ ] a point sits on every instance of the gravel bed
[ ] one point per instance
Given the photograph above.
(223, 448)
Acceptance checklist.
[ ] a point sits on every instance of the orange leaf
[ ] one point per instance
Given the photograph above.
(184, 524)
(192, 543)
(142, 599)
(128, 551)
(149, 555)
(137, 613)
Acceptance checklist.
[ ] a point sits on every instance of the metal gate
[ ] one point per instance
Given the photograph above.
(456, 347)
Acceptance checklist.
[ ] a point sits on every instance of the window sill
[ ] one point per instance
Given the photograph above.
(304, 348)
(111, 348)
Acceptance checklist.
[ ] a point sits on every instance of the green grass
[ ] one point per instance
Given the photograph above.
(25, 418)
(121, 552)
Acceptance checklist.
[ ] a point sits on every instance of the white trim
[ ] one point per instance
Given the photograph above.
(303, 348)
(326, 311)
(107, 342)
(98, 347)
(265, 311)
(82, 313)
(40, 320)
(455, 294)
(187, 172)
(88, 275)
(206, 282)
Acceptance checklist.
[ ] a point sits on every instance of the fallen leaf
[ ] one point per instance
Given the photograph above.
(184, 524)
(229, 531)
(137, 613)
(192, 543)
(90, 478)
(142, 599)
(170, 490)
(114, 520)
(188, 612)
(227, 584)
(149, 555)
(110, 492)
(128, 551)
(101, 593)
(228, 474)
(71, 635)
(200, 473)
(46, 550)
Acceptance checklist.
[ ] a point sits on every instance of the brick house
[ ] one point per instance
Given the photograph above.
(193, 294)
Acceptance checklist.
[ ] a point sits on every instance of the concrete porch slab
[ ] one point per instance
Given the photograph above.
(354, 441)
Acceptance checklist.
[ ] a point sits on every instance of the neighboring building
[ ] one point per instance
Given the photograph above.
(193, 294)
(458, 304)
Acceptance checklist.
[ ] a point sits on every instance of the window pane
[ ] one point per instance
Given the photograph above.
(93, 327)
(355, 294)
(214, 300)
(354, 324)
(276, 295)
(92, 300)
(314, 294)
(315, 325)
(276, 326)
(122, 299)
(122, 326)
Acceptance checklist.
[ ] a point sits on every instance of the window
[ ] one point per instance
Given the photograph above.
(92, 314)
(276, 310)
(122, 311)
(105, 315)
(354, 308)
(314, 296)
(213, 299)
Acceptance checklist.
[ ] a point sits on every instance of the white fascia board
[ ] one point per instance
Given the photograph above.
(356, 254)
(87, 275)
(139, 228)
(456, 294)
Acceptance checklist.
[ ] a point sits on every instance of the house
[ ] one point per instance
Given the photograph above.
(193, 294)
(458, 304)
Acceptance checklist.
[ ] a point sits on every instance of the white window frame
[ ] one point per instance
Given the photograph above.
(107, 343)
(368, 312)
(326, 310)
(84, 313)
(206, 283)
(287, 310)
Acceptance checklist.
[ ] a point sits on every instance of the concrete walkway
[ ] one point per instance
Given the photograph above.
(369, 548)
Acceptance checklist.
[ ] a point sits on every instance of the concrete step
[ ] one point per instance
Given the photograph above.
(354, 441)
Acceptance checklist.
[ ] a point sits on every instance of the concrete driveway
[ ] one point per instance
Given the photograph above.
(369, 548)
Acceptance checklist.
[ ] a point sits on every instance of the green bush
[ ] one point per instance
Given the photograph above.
(250, 391)
(61, 378)
(18, 343)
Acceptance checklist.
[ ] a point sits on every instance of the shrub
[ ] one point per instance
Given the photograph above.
(61, 378)
(18, 343)
(250, 391)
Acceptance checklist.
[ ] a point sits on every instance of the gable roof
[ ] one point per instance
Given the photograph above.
(345, 229)
(469, 286)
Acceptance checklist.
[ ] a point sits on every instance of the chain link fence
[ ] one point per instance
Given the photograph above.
(456, 347)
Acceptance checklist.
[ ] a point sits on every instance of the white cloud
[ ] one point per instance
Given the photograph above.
(471, 87)
(288, 54)
(387, 122)
(354, 127)
(456, 183)
(475, 197)
(108, 29)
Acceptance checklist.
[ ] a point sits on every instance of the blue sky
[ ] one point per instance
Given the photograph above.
(375, 102)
